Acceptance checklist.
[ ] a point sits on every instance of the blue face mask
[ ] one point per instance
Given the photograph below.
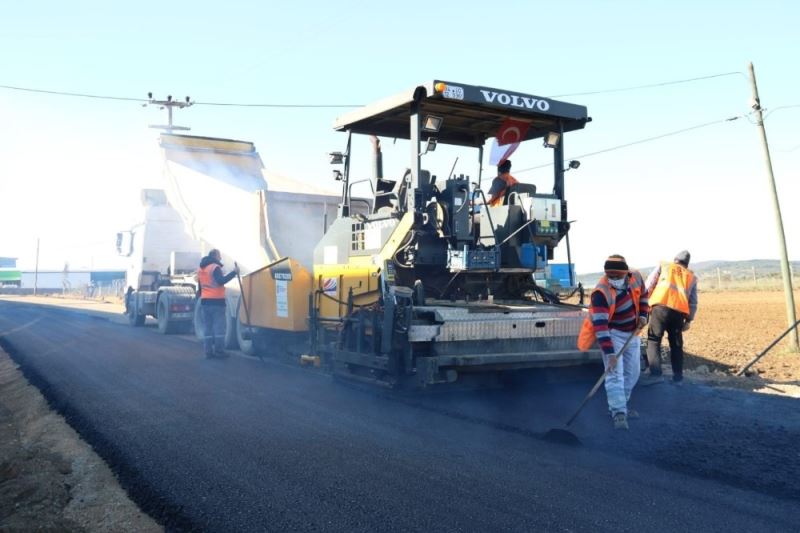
(618, 284)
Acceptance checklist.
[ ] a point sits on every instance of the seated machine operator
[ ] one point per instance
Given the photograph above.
(501, 183)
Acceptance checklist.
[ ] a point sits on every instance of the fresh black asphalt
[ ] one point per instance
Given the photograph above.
(245, 445)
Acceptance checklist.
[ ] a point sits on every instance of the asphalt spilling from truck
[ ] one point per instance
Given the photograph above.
(241, 445)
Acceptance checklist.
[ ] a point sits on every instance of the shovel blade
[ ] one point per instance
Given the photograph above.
(562, 436)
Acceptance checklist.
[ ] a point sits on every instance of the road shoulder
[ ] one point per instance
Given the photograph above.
(49, 478)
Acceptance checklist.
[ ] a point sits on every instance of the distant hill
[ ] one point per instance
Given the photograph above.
(730, 270)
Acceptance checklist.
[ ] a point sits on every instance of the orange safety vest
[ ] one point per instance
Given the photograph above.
(586, 337)
(209, 288)
(672, 289)
(509, 180)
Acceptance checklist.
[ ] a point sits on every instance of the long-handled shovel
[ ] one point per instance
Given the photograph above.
(565, 436)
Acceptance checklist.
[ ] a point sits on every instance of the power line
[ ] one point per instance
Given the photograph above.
(651, 85)
(64, 93)
(780, 107)
(640, 141)
(145, 100)
(313, 106)
(278, 105)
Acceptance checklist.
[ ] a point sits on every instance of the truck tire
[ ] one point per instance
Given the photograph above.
(134, 318)
(246, 346)
(199, 330)
(166, 326)
(231, 337)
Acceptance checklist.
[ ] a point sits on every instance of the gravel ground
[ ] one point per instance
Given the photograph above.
(50, 479)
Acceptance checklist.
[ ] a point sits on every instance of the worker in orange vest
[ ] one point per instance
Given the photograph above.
(501, 183)
(673, 298)
(619, 309)
(212, 303)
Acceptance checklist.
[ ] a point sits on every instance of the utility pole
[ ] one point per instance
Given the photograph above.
(794, 342)
(169, 103)
(36, 268)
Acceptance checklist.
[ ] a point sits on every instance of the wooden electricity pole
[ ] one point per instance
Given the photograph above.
(36, 269)
(794, 344)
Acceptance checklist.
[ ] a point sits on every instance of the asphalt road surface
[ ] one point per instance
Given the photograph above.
(245, 445)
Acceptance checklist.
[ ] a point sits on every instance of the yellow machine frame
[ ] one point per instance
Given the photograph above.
(361, 274)
(277, 296)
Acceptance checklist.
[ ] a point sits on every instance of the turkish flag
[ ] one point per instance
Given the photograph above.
(507, 140)
(512, 132)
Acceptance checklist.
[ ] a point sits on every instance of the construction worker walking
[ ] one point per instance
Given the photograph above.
(212, 303)
(673, 298)
(619, 309)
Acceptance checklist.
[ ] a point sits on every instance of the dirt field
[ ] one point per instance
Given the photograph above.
(733, 327)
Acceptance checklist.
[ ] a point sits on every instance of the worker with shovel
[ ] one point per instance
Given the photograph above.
(619, 309)
(212, 302)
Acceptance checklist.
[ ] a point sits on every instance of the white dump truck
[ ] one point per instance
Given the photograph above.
(216, 195)
(160, 276)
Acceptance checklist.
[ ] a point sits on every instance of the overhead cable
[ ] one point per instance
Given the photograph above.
(633, 143)
(64, 93)
(770, 111)
(300, 106)
(277, 105)
(145, 100)
(650, 85)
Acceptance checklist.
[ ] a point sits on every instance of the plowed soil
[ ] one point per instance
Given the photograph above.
(733, 327)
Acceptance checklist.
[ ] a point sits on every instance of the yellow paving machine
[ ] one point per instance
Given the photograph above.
(433, 285)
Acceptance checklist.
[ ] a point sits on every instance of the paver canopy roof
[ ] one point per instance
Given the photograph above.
(471, 113)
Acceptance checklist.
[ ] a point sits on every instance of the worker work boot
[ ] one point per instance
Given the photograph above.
(650, 379)
(620, 421)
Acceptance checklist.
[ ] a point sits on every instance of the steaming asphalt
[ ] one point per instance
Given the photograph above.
(241, 445)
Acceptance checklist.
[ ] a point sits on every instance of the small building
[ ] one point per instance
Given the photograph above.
(84, 281)
(9, 275)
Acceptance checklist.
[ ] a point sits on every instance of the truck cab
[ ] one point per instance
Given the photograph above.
(160, 279)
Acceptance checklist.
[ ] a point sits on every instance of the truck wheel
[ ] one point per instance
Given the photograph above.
(135, 319)
(199, 330)
(246, 346)
(231, 337)
(165, 325)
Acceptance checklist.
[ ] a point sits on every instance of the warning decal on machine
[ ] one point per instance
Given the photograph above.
(282, 298)
(330, 286)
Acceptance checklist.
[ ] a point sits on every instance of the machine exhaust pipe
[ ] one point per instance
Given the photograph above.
(377, 161)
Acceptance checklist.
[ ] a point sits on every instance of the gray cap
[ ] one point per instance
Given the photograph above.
(683, 257)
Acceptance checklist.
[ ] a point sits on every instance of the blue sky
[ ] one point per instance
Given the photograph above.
(71, 168)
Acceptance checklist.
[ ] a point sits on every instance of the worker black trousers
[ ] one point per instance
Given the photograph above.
(669, 321)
